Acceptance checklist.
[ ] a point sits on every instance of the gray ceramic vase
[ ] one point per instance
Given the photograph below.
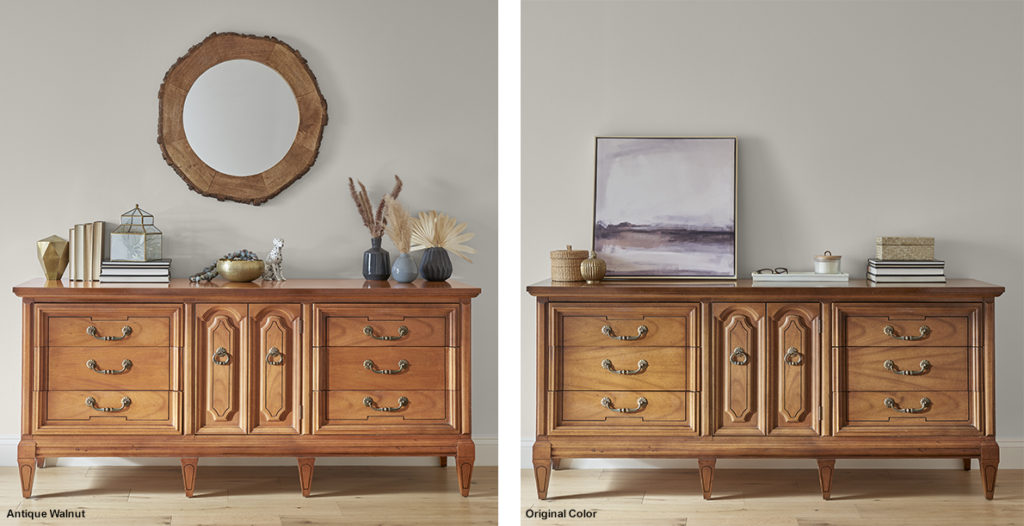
(404, 269)
(376, 262)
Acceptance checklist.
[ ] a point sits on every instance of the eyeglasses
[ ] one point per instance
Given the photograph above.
(776, 270)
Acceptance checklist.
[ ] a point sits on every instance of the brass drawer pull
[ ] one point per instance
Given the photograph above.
(222, 353)
(402, 365)
(640, 404)
(402, 402)
(641, 366)
(92, 331)
(125, 366)
(791, 352)
(890, 331)
(891, 404)
(739, 353)
(275, 353)
(403, 331)
(125, 402)
(891, 365)
(640, 332)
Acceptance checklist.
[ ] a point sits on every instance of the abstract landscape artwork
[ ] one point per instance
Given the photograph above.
(666, 207)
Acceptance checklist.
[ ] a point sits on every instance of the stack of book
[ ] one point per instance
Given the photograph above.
(157, 271)
(85, 251)
(906, 271)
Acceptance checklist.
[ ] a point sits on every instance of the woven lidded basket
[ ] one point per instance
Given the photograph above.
(905, 248)
(565, 264)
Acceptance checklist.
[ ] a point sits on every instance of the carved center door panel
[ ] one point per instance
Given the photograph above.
(792, 370)
(248, 368)
(736, 354)
(220, 349)
(275, 369)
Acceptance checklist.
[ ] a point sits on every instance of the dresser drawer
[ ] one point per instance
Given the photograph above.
(411, 326)
(616, 326)
(625, 408)
(118, 325)
(400, 407)
(114, 412)
(884, 410)
(133, 368)
(906, 369)
(626, 369)
(908, 325)
(420, 368)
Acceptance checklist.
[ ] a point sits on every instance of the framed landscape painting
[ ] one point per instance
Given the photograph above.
(665, 207)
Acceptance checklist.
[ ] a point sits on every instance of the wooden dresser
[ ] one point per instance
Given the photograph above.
(300, 368)
(647, 369)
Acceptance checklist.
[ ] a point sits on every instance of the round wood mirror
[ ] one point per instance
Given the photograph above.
(241, 117)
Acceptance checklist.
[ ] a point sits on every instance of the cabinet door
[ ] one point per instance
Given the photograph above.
(220, 361)
(736, 353)
(793, 376)
(274, 373)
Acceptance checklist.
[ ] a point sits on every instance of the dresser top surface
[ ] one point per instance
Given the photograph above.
(292, 288)
(746, 287)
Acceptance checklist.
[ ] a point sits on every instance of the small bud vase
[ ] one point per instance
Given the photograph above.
(404, 269)
(376, 262)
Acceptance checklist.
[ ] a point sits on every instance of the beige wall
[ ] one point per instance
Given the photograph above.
(854, 119)
(411, 88)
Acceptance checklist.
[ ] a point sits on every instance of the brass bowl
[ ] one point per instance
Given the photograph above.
(240, 270)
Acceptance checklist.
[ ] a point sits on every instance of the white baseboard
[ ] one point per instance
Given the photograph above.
(1011, 456)
(486, 455)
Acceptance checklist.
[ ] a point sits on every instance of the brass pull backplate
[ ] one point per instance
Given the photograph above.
(640, 332)
(94, 332)
(402, 402)
(402, 366)
(640, 404)
(641, 366)
(403, 331)
(790, 353)
(275, 353)
(125, 402)
(738, 353)
(891, 365)
(890, 331)
(126, 364)
(221, 353)
(891, 404)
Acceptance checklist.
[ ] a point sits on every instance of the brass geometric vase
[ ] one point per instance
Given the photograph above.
(53, 256)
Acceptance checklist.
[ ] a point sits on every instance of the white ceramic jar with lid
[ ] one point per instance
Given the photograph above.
(826, 263)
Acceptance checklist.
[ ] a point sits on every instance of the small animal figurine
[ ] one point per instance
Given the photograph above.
(275, 262)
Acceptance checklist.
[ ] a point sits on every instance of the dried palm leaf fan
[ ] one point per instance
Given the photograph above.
(437, 234)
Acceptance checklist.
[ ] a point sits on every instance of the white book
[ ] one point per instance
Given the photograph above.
(80, 252)
(71, 254)
(135, 272)
(907, 279)
(135, 279)
(87, 255)
(97, 249)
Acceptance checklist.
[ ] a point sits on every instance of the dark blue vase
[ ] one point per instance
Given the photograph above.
(436, 265)
(376, 261)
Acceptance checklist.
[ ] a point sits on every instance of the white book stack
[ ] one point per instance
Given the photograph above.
(905, 271)
(158, 271)
(85, 251)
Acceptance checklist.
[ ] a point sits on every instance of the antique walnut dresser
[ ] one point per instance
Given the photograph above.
(301, 368)
(635, 369)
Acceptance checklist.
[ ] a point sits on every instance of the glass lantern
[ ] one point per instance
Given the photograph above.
(136, 238)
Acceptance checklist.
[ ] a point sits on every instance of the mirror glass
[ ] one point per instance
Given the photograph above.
(240, 117)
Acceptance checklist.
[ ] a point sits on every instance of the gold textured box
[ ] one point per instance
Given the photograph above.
(905, 248)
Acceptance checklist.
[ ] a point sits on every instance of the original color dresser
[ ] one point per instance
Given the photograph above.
(300, 368)
(642, 369)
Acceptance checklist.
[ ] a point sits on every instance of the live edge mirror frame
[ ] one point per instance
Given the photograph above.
(198, 175)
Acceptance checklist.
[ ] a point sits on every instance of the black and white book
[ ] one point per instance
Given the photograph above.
(927, 263)
(135, 272)
(907, 271)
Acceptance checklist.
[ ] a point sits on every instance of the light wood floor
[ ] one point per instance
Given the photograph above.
(358, 495)
(763, 497)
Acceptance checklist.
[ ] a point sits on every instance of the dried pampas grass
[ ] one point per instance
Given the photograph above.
(399, 224)
(375, 222)
(434, 229)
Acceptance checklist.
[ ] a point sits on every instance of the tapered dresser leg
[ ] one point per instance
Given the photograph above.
(707, 475)
(989, 464)
(967, 464)
(306, 474)
(826, 466)
(188, 474)
(556, 464)
(542, 467)
(27, 470)
(41, 462)
(465, 454)
(444, 462)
